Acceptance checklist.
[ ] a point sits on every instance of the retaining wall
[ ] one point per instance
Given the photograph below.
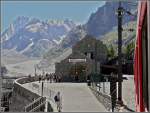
(19, 89)
(25, 96)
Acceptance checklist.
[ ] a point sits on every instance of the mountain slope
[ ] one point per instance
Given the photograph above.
(68, 41)
(105, 18)
(33, 37)
(111, 38)
(101, 24)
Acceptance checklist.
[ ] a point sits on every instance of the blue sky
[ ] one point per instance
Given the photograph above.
(78, 11)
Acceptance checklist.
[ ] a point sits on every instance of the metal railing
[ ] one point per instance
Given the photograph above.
(47, 92)
(36, 105)
(50, 95)
(40, 102)
(109, 98)
(101, 95)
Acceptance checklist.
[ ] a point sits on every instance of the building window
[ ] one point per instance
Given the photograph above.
(85, 53)
(90, 55)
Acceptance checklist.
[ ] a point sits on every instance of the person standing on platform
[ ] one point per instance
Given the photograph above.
(57, 99)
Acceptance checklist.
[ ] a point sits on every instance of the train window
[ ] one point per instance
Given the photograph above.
(145, 61)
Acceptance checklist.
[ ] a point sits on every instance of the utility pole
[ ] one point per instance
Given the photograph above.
(95, 57)
(120, 15)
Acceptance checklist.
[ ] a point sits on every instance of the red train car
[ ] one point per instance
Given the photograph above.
(142, 58)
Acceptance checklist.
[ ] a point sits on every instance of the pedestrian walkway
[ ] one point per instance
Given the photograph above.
(76, 97)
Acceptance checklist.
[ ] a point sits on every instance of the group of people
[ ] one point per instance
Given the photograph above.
(51, 77)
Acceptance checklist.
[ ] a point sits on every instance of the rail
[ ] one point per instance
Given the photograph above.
(18, 88)
(48, 95)
(51, 95)
(36, 105)
(103, 98)
(47, 92)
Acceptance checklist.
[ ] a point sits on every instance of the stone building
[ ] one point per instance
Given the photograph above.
(86, 57)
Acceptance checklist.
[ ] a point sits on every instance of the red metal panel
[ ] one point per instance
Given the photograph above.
(141, 107)
(142, 12)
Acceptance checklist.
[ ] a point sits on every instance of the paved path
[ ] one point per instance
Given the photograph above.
(76, 97)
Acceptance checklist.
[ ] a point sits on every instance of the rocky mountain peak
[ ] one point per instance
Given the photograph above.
(25, 33)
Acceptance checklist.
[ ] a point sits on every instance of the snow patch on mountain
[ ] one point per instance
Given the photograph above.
(60, 39)
(34, 27)
(6, 37)
(45, 40)
(28, 47)
(67, 27)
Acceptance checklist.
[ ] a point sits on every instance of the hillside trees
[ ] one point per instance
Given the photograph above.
(111, 52)
(129, 50)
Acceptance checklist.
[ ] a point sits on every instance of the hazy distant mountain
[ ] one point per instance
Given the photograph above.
(33, 37)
